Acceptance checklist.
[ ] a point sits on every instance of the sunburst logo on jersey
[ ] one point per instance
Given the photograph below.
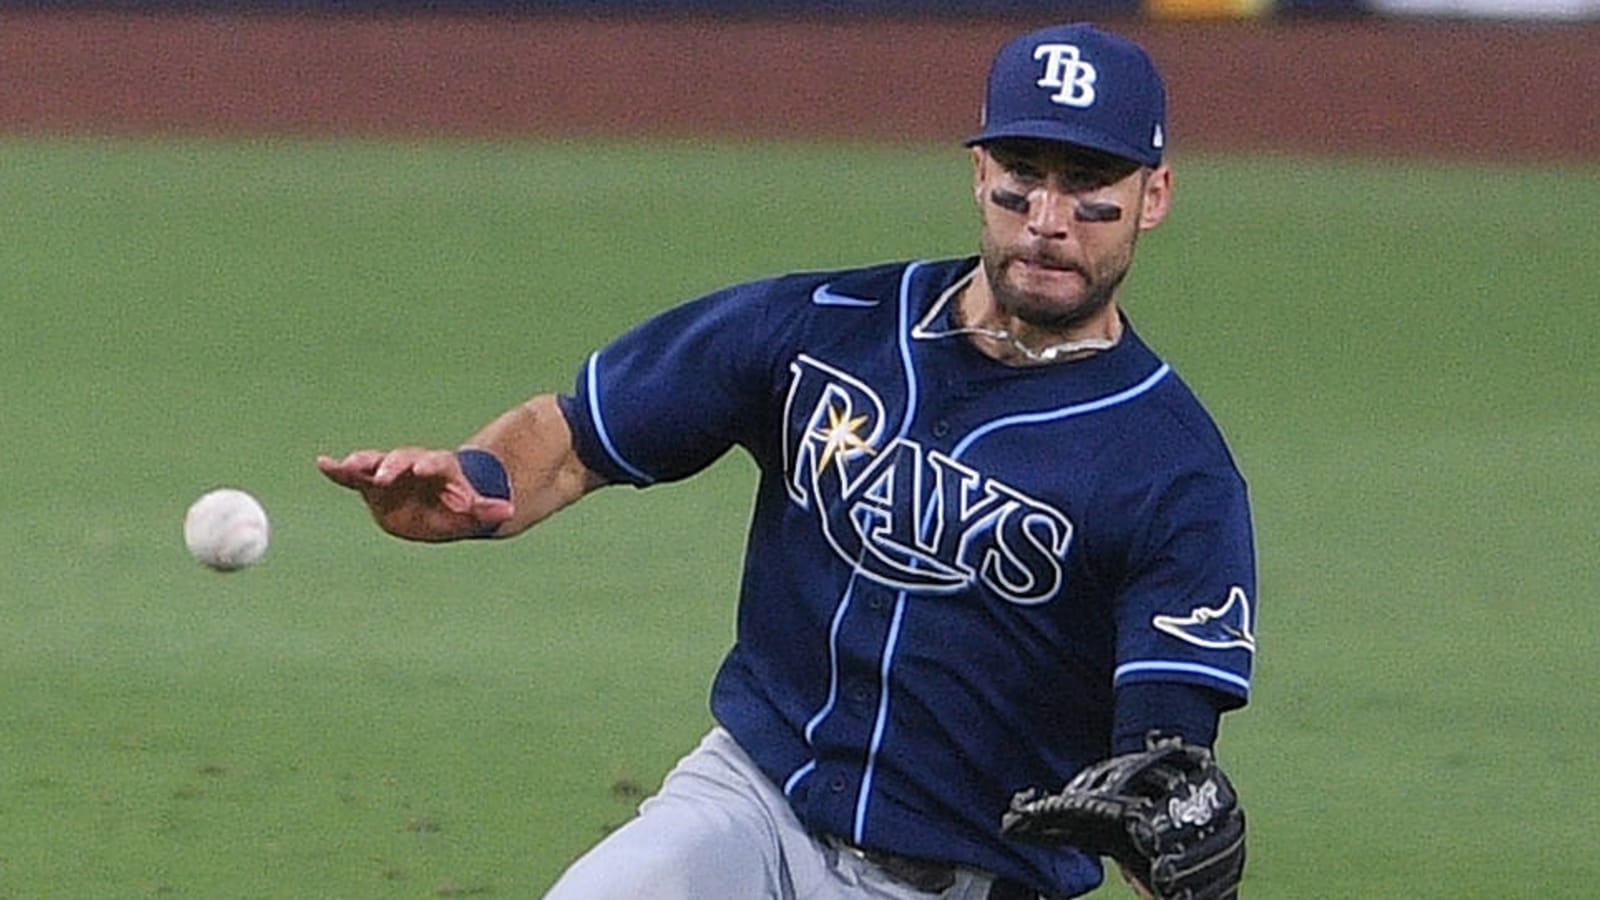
(841, 437)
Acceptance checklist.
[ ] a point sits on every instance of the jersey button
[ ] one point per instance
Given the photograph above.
(941, 428)
(837, 784)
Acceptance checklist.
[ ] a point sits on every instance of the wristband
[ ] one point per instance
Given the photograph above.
(487, 475)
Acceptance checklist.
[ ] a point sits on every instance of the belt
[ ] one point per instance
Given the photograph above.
(923, 874)
(926, 875)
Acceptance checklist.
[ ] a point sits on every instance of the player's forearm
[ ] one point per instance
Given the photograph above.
(534, 443)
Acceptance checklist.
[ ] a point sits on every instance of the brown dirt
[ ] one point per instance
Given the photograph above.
(1359, 87)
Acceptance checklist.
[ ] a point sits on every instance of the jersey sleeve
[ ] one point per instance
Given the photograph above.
(673, 394)
(1187, 611)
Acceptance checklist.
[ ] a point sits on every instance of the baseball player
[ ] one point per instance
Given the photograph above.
(996, 539)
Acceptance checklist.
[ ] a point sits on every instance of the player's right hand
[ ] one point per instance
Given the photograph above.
(417, 494)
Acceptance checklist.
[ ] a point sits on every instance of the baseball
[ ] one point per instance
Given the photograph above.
(226, 529)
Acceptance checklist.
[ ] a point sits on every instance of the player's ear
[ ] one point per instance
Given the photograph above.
(1156, 201)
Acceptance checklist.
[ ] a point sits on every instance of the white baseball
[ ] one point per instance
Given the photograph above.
(226, 529)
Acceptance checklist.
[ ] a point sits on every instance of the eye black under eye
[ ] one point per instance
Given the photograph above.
(1098, 211)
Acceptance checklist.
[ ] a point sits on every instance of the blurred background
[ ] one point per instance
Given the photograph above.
(235, 235)
(1507, 78)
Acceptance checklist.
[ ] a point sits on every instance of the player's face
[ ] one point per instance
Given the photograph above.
(1059, 226)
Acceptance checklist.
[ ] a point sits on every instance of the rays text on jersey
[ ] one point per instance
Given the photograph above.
(907, 516)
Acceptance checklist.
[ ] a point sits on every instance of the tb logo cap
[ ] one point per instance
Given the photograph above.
(1080, 85)
(1065, 70)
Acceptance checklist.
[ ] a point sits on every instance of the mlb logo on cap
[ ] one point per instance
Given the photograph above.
(1081, 85)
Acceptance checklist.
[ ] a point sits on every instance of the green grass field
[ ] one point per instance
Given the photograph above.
(1401, 356)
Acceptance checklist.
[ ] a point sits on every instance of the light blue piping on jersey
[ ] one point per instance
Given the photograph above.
(833, 686)
(844, 601)
(600, 423)
(905, 349)
(1079, 409)
(1066, 412)
(1173, 665)
(833, 659)
(858, 833)
(880, 726)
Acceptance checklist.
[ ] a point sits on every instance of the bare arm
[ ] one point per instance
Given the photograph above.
(535, 444)
(423, 495)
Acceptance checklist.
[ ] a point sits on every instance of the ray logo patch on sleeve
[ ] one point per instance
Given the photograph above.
(1221, 627)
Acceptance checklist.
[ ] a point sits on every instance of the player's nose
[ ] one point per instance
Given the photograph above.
(1051, 212)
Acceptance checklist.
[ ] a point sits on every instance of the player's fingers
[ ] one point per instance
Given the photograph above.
(459, 496)
(437, 464)
(470, 510)
(493, 511)
(352, 470)
(396, 463)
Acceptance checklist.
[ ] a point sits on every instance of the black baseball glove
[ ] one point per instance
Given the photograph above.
(1167, 814)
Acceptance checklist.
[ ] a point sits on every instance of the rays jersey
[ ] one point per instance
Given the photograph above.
(952, 563)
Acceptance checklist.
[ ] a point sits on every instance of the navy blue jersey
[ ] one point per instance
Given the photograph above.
(952, 564)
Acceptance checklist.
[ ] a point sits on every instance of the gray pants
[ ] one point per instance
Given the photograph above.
(719, 830)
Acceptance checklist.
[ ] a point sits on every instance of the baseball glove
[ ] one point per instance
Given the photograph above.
(1167, 814)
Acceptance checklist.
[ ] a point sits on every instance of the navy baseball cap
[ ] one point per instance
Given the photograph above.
(1077, 84)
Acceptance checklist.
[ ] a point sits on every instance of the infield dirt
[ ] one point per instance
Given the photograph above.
(1346, 87)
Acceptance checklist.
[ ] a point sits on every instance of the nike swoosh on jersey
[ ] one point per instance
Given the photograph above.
(825, 296)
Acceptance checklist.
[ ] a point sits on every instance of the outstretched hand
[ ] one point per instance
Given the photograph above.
(417, 494)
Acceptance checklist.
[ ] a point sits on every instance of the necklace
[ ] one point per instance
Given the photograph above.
(924, 330)
(1043, 354)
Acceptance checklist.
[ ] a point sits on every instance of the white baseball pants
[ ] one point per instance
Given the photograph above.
(720, 830)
